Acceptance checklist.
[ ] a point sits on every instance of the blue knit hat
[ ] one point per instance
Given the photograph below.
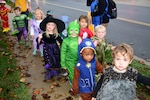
(86, 43)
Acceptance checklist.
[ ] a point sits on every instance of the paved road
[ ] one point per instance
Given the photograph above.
(132, 25)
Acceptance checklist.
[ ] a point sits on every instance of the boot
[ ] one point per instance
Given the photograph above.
(41, 53)
(20, 42)
(34, 52)
(27, 44)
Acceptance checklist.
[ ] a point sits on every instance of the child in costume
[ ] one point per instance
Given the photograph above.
(84, 81)
(118, 82)
(50, 38)
(26, 8)
(103, 49)
(4, 16)
(69, 49)
(35, 30)
(19, 25)
(84, 31)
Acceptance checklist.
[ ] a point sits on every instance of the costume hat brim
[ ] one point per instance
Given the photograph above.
(59, 23)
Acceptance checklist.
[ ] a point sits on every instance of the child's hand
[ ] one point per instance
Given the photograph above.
(40, 36)
(93, 98)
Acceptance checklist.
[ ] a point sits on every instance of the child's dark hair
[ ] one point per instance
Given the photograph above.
(83, 17)
(49, 13)
(17, 8)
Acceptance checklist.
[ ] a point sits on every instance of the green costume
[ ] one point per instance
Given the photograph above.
(19, 21)
(103, 51)
(69, 49)
(19, 25)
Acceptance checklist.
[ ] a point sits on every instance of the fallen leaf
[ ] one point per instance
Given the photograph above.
(34, 97)
(141, 62)
(57, 96)
(36, 92)
(22, 80)
(69, 98)
(16, 85)
(50, 91)
(1, 90)
(45, 96)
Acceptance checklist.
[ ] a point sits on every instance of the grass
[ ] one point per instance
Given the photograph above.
(142, 91)
(10, 86)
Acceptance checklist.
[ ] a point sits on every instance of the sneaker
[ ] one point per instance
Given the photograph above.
(34, 52)
(20, 42)
(63, 72)
(14, 33)
(41, 53)
(27, 44)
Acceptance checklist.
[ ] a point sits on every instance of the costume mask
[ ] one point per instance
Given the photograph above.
(73, 28)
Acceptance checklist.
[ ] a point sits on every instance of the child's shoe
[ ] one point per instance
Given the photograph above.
(63, 72)
(27, 44)
(41, 53)
(15, 32)
(34, 52)
(20, 42)
(8, 29)
(4, 30)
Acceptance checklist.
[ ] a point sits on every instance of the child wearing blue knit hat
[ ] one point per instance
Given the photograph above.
(84, 72)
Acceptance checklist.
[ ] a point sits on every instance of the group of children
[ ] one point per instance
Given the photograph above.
(81, 54)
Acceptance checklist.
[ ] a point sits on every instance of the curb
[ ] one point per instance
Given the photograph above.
(140, 59)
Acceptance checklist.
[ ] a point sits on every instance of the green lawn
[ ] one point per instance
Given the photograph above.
(10, 86)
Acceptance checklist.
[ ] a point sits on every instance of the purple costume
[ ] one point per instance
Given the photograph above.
(51, 53)
(51, 49)
(35, 30)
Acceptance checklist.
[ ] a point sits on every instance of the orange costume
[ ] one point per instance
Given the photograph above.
(4, 16)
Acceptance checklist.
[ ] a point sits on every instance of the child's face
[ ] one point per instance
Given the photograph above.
(83, 23)
(17, 12)
(100, 33)
(121, 61)
(38, 15)
(74, 32)
(50, 26)
(87, 54)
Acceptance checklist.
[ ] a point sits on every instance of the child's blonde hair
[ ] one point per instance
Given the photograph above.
(123, 49)
(55, 31)
(100, 27)
(39, 10)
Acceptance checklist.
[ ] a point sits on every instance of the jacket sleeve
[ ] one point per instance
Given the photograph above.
(142, 79)
(99, 67)
(63, 54)
(75, 85)
(14, 23)
(98, 86)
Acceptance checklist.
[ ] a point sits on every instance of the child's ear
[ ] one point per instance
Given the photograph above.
(80, 54)
(131, 61)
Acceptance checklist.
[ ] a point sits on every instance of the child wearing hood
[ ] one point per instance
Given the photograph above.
(84, 81)
(69, 49)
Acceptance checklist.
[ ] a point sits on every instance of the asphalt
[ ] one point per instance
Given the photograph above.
(145, 3)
